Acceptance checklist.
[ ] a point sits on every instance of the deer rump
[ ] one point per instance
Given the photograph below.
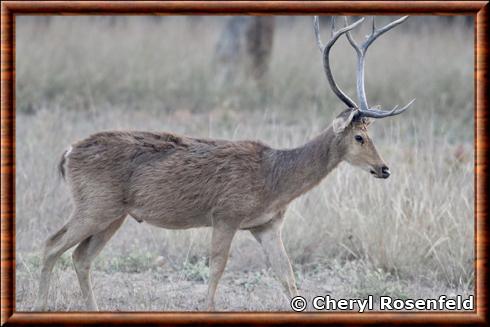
(167, 180)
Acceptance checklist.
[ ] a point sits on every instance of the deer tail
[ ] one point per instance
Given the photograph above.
(61, 164)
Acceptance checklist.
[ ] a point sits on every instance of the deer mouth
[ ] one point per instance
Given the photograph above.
(375, 174)
(385, 173)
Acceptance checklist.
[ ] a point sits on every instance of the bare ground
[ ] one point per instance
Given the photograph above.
(161, 286)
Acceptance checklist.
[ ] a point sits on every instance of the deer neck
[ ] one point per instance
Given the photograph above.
(295, 171)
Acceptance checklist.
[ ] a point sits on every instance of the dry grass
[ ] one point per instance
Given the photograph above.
(410, 235)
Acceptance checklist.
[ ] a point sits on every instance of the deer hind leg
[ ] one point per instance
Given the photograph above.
(220, 247)
(84, 255)
(81, 225)
(269, 237)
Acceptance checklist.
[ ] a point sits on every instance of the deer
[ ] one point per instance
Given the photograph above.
(180, 182)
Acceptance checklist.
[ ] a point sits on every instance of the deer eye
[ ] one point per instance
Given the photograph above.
(359, 139)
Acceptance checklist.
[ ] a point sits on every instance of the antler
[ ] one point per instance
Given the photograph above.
(364, 109)
(325, 49)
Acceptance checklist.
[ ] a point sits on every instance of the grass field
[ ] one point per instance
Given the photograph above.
(409, 236)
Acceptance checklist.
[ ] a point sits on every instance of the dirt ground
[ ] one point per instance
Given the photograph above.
(158, 286)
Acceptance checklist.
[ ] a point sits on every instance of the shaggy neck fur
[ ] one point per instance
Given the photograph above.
(296, 171)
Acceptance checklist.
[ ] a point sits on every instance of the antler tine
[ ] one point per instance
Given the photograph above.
(375, 113)
(361, 54)
(325, 49)
(316, 26)
(378, 32)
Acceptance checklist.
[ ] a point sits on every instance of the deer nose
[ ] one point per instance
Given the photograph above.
(385, 172)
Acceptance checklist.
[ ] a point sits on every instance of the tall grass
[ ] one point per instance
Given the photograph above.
(78, 75)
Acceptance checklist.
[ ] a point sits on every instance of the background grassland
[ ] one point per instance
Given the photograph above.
(411, 235)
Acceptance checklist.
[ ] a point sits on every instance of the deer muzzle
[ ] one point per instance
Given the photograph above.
(381, 172)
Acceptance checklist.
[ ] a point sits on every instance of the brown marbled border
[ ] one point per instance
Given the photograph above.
(11, 8)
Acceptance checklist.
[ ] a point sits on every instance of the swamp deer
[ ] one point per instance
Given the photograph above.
(179, 182)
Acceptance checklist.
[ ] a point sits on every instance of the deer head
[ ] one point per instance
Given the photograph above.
(351, 125)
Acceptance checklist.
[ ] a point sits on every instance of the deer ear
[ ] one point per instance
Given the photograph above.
(343, 120)
(368, 121)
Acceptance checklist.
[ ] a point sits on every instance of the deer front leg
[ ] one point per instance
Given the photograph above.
(220, 248)
(269, 236)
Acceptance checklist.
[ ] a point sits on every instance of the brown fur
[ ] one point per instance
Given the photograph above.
(179, 182)
(167, 180)
(56, 236)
